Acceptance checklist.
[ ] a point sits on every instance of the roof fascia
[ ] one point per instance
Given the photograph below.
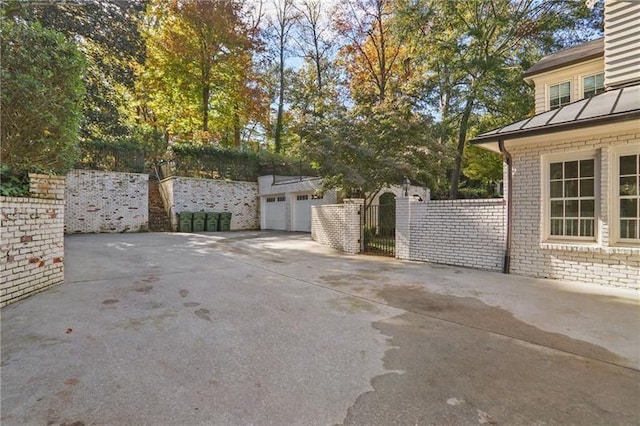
(580, 61)
(601, 128)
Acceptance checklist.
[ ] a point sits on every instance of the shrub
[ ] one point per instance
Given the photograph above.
(13, 184)
(41, 99)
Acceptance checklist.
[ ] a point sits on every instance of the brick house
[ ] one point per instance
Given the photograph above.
(573, 169)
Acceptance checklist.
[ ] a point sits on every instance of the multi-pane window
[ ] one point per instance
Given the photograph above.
(302, 197)
(559, 95)
(592, 85)
(572, 198)
(629, 196)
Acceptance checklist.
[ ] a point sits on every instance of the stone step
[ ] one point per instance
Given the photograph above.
(158, 220)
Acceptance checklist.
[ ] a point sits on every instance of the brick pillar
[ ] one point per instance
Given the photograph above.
(403, 227)
(352, 224)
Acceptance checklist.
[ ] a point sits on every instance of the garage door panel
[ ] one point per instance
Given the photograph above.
(275, 213)
(302, 211)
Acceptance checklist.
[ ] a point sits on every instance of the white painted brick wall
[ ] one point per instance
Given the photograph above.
(403, 227)
(212, 195)
(338, 225)
(32, 239)
(98, 201)
(597, 263)
(467, 233)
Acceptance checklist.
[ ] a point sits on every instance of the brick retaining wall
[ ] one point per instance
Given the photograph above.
(32, 235)
(212, 195)
(98, 201)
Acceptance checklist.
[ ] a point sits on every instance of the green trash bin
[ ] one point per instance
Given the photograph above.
(212, 221)
(184, 221)
(199, 220)
(225, 221)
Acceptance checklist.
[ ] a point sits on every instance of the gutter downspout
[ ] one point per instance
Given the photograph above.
(507, 157)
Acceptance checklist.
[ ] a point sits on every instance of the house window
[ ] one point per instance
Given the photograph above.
(271, 200)
(281, 198)
(559, 95)
(571, 199)
(592, 85)
(628, 208)
(302, 197)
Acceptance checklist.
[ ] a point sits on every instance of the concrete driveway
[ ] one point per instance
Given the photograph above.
(272, 328)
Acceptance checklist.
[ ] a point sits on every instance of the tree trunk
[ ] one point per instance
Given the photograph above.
(205, 107)
(318, 60)
(236, 128)
(278, 135)
(462, 138)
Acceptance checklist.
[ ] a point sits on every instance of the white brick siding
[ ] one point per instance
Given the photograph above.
(467, 233)
(212, 195)
(338, 225)
(32, 239)
(99, 201)
(598, 262)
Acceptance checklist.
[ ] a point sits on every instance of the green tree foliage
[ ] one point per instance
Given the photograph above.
(42, 92)
(197, 78)
(472, 53)
(361, 150)
(377, 136)
(106, 32)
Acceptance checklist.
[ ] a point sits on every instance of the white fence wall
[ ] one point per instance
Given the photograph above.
(467, 233)
(337, 225)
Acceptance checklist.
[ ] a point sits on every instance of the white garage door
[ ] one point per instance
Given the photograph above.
(302, 211)
(274, 213)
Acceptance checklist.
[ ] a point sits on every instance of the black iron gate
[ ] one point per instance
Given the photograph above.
(378, 230)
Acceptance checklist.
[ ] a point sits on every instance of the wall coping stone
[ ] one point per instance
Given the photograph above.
(491, 201)
(34, 200)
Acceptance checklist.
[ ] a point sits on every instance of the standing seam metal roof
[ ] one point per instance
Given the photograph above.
(617, 104)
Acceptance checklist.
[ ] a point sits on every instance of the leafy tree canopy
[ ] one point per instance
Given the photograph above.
(197, 77)
(42, 91)
(106, 32)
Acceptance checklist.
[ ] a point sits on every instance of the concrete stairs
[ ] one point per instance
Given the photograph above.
(158, 219)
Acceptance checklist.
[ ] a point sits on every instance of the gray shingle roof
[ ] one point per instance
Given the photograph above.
(580, 53)
(611, 106)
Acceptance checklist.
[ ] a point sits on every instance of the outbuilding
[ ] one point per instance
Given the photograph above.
(285, 201)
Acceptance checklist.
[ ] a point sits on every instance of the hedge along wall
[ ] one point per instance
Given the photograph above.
(183, 194)
(32, 235)
(99, 201)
